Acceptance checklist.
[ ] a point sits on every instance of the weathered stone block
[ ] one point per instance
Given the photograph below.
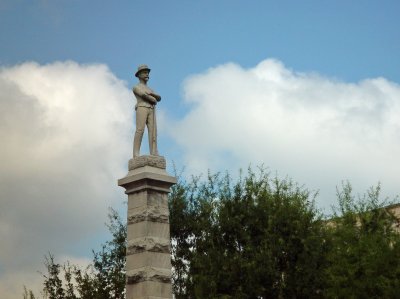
(148, 258)
(148, 228)
(148, 274)
(145, 198)
(147, 160)
(152, 244)
(148, 290)
(148, 213)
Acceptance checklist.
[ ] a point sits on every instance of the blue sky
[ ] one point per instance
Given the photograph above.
(310, 89)
(350, 40)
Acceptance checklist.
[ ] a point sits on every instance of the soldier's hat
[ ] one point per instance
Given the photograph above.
(140, 68)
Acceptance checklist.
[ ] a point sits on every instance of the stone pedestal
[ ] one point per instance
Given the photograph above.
(148, 256)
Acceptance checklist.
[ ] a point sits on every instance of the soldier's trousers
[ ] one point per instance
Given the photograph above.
(145, 117)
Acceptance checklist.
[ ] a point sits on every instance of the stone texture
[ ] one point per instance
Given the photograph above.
(137, 181)
(148, 263)
(148, 258)
(152, 244)
(148, 290)
(148, 274)
(148, 208)
(148, 228)
(155, 215)
(148, 199)
(147, 160)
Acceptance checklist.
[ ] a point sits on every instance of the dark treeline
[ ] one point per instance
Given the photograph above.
(255, 237)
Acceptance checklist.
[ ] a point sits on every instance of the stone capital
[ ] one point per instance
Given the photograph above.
(147, 173)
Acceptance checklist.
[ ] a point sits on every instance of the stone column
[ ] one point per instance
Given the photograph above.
(148, 256)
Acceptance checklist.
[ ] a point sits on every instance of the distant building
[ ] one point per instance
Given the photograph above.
(395, 209)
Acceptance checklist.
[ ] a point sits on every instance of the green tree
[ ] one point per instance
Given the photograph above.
(255, 238)
(28, 294)
(103, 279)
(53, 285)
(109, 263)
(364, 260)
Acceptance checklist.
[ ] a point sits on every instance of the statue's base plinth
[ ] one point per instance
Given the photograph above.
(148, 260)
(147, 160)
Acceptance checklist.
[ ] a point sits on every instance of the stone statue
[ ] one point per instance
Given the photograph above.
(145, 112)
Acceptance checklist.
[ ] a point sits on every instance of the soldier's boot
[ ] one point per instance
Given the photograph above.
(154, 151)
(153, 148)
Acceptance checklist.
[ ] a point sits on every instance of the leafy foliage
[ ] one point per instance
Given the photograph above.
(28, 294)
(103, 279)
(257, 237)
(364, 259)
(263, 238)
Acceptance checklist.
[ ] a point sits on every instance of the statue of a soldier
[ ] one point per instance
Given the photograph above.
(145, 112)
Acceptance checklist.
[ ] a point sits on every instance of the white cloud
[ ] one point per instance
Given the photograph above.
(65, 132)
(317, 130)
(12, 283)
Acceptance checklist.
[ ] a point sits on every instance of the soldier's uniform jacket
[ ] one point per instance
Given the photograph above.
(140, 90)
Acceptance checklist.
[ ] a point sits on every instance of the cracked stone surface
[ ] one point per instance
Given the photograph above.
(152, 244)
(148, 274)
(151, 213)
(147, 160)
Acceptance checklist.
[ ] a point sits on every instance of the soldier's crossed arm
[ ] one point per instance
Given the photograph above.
(145, 95)
(156, 96)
